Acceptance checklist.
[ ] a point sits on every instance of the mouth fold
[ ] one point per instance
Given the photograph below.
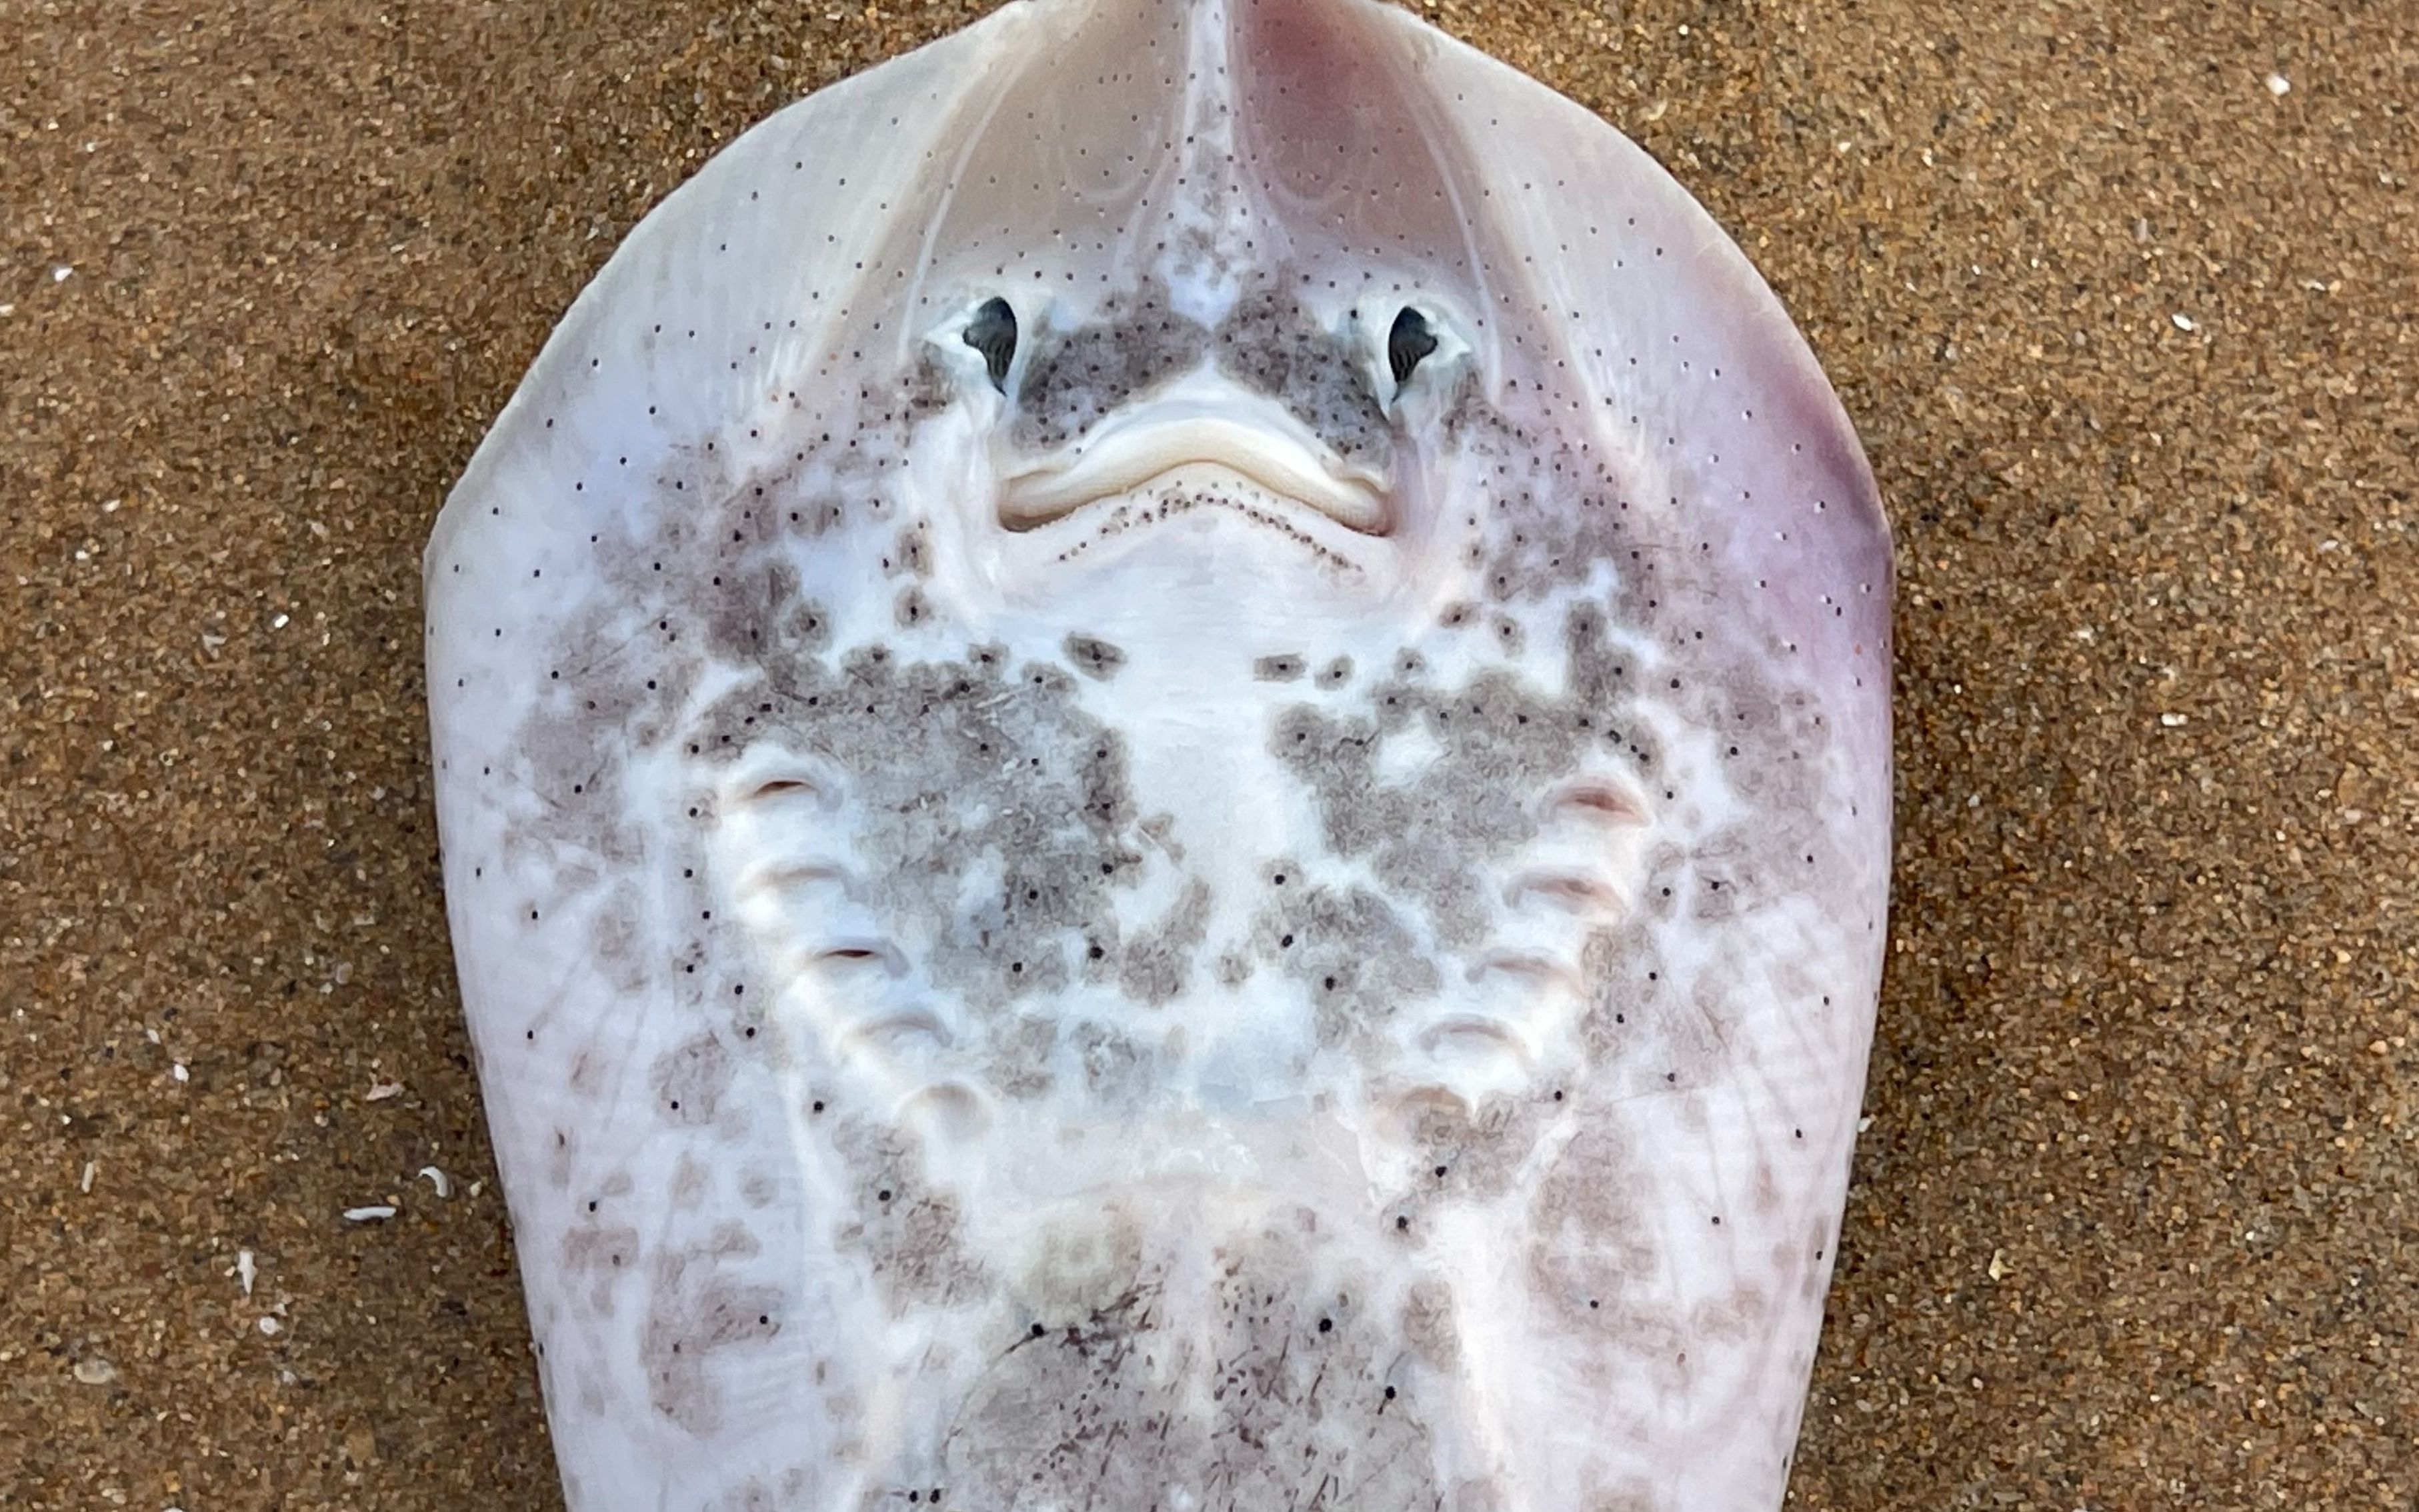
(1127, 452)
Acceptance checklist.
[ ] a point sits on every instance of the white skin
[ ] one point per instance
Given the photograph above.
(1210, 679)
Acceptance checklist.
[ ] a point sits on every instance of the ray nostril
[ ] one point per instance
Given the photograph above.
(1409, 342)
(991, 332)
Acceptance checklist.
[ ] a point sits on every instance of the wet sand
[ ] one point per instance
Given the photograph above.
(2122, 300)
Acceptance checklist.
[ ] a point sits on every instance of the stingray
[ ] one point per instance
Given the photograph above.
(1163, 762)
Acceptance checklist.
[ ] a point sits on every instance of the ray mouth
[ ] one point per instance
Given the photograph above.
(1253, 437)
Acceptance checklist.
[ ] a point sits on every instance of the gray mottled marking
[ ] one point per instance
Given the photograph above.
(599, 1254)
(690, 1081)
(1157, 964)
(1360, 964)
(695, 1309)
(1094, 658)
(956, 765)
(1257, 1387)
(910, 1235)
